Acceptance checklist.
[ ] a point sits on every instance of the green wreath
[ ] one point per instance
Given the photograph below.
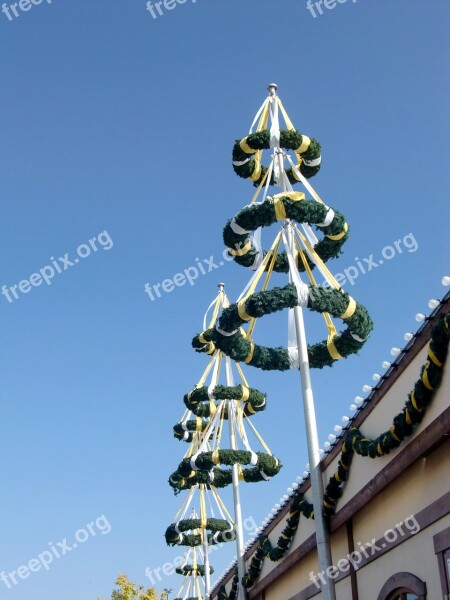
(222, 593)
(306, 149)
(189, 570)
(227, 335)
(208, 473)
(230, 339)
(355, 442)
(185, 431)
(220, 531)
(285, 206)
(254, 401)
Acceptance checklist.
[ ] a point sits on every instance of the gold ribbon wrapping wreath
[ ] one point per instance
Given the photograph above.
(227, 334)
(247, 155)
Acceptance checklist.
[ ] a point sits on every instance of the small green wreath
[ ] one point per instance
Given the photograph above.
(263, 466)
(254, 401)
(189, 570)
(185, 431)
(307, 151)
(220, 531)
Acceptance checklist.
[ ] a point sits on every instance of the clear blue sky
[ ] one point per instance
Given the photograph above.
(114, 121)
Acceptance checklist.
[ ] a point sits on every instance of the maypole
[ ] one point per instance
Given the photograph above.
(303, 252)
(232, 408)
(312, 436)
(200, 473)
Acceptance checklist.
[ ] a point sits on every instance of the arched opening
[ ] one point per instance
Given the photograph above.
(403, 586)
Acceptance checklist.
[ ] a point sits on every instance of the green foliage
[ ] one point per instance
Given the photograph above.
(356, 442)
(131, 591)
(290, 140)
(321, 300)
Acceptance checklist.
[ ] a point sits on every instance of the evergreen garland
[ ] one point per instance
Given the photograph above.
(185, 477)
(188, 570)
(355, 442)
(321, 300)
(262, 214)
(289, 140)
(256, 401)
(221, 531)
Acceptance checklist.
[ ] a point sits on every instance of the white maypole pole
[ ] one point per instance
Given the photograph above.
(322, 537)
(242, 594)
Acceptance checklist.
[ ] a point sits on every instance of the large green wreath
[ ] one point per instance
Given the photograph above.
(254, 401)
(220, 531)
(208, 473)
(227, 335)
(239, 348)
(263, 214)
(308, 150)
(355, 441)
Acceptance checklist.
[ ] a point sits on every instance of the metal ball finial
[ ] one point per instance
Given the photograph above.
(272, 87)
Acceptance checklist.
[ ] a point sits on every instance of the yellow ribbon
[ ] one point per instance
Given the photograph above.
(258, 168)
(332, 348)
(212, 408)
(250, 354)
(240, 251)
(288, 121)
(204, 520)
(425, 380)
(280, 211)
(294, 196)
(245, 147)
(414, 402)
(304, 145)
(215, 457)
(211, 348)
(392, 430)
(350, 311)
(338, 236)
(434, 358)
(245, 393)
(241, 310)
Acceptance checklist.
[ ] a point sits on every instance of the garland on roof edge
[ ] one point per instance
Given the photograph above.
(402, 427)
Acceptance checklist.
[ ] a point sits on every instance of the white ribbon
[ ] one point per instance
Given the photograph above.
(258, 114)
(207, 311)
(237, 228)
(239, 163)
(294, 362)
(300, 286)
(328, 218)
(315, 162)
(357, 338)
(225, 333)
